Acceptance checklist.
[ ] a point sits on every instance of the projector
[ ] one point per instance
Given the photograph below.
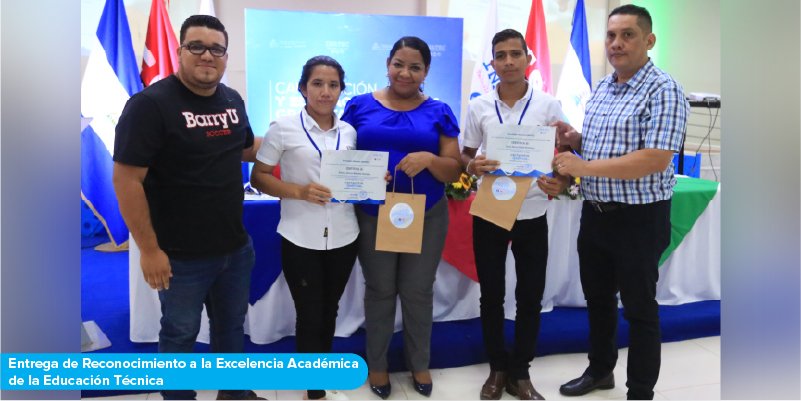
(701, 96)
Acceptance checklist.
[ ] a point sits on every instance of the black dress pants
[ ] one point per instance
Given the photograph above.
(530, 249)
(619, 250)
(316, 280)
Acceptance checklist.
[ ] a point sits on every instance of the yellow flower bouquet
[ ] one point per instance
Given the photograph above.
(461, 189)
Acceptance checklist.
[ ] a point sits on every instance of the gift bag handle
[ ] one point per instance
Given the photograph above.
(394, 180)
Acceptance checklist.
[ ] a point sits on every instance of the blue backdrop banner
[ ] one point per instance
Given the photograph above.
(278, 43)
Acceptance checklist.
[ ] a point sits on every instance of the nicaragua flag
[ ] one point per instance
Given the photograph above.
(575, 81)
(110, 78)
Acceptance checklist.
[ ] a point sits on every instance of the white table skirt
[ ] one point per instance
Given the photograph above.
(690, 274)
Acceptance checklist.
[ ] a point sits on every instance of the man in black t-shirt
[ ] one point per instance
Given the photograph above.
(177, 174)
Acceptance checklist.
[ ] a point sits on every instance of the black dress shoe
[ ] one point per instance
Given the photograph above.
(493, 386)
(522, 389)
(422, 388)
(586, 383)
(382, 391)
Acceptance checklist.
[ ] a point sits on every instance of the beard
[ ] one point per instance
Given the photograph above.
(204, 78)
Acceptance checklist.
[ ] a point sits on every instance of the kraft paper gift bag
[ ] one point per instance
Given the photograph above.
(499, 199)
(400, 222)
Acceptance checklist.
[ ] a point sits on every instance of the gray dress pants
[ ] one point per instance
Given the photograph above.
(388, 275)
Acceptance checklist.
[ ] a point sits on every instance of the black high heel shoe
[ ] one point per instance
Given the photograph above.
(422, 388)
(382, 391)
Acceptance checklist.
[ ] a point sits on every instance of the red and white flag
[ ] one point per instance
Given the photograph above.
(539, 71)
(160, 58)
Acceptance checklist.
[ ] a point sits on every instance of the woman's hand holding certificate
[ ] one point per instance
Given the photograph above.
(355, 176)
(315, 193)
(521, 150)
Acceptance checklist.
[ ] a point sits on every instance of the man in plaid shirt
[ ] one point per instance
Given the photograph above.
(634, 123)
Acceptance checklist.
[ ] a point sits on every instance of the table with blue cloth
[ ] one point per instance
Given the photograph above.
(690, 271)
(261, 221)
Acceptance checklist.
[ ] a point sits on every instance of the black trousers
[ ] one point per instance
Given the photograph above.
(316, 281)
(530, 249)
(619, 250)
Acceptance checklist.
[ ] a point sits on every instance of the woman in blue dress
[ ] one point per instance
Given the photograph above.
(420, 134)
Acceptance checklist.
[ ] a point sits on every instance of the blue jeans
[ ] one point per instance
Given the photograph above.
(222, 283)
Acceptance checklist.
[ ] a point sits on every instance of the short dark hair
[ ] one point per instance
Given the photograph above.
(305, 75)
(507, 34)
(412, 42)
(643, 16)
(207, 21)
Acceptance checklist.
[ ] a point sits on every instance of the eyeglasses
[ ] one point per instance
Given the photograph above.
(198, 49)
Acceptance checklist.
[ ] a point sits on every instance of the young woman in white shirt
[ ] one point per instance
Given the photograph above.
(318, 248)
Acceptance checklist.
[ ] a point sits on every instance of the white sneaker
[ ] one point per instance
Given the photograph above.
(335, 395)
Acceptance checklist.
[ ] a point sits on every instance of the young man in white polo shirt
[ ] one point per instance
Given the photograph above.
(514, 101)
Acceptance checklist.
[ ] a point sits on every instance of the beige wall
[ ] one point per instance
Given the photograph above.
(688, 48)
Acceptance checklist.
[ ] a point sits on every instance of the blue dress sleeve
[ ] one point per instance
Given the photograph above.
(350, 112)
(446, 124)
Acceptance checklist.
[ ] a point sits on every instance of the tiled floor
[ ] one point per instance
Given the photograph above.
(690, 370)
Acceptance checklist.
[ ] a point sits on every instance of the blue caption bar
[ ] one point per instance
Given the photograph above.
(181, 371)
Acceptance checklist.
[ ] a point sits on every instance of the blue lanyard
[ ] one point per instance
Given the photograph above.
(498, 111)
(312, 140)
